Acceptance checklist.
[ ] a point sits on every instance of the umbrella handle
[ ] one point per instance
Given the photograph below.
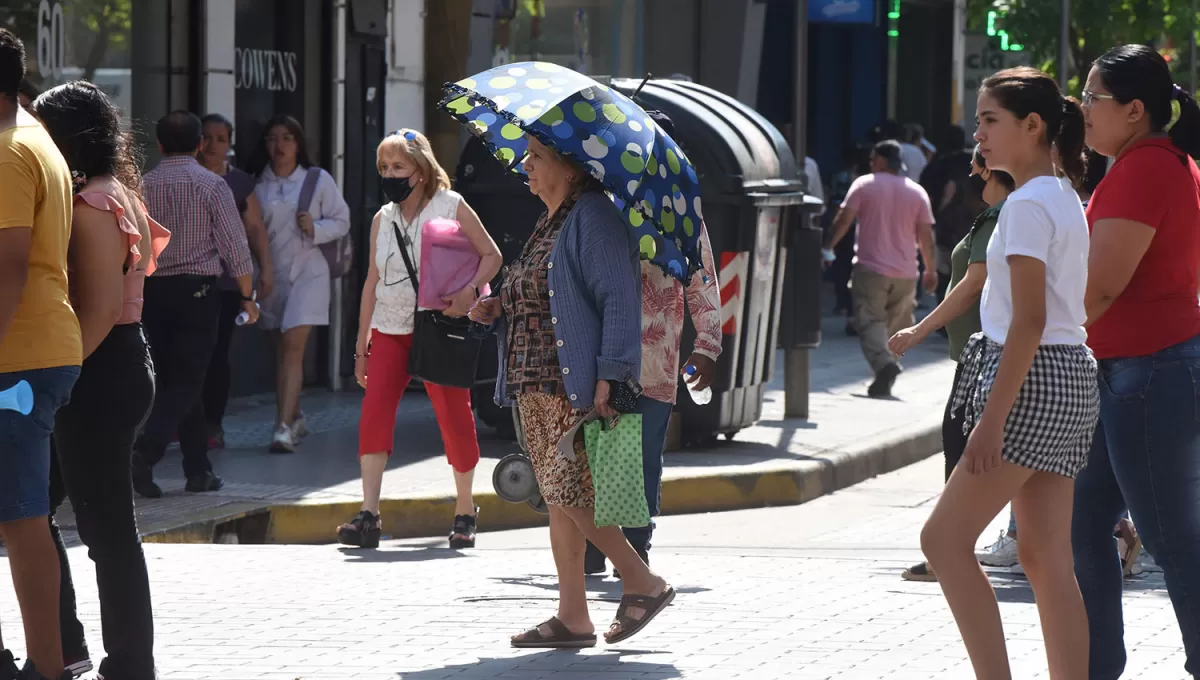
(640, 86)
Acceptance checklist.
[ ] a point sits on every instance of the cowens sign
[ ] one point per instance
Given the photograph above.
(273, 70)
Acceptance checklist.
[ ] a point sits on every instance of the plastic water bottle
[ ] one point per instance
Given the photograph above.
(244, 317)
(701, 397)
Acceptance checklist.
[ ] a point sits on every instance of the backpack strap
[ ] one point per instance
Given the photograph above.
(308, 188)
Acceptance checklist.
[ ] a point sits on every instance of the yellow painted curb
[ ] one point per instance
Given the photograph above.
(317, 522)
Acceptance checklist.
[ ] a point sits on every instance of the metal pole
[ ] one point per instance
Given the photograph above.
(1064, 44)
(795, 361)
(337, 320)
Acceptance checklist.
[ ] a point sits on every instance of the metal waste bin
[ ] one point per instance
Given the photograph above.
(509, 212)
(753, 193)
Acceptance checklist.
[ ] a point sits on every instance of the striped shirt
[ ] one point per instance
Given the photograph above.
(197, 207)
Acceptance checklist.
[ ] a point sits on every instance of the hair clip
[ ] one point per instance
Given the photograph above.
(1176, 112)
(78, 181)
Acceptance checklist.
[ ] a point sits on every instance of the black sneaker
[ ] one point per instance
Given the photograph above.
(205, 482)
(594, 561)
(361, 532)
(31, 673)
(8, 666)
(143, 480)
(462, 534)
(884, 379)
(79, 666)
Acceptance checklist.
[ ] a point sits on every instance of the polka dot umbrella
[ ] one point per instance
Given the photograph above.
(647, 174)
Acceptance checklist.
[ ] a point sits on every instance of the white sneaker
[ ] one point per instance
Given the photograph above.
(283, 441)
(1002, 553)
(299, 427)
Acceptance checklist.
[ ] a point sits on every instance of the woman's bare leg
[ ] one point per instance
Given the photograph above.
(968, 503)
(636, 577)
(290, 379)
(1043, 508)
(464, 503)
(566, 541)
(372, 465)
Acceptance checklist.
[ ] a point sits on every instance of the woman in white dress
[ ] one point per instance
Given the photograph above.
(300, 299)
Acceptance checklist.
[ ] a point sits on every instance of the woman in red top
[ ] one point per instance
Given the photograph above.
(1144, 327)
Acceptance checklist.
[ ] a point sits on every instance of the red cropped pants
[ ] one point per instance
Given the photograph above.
(387, 378)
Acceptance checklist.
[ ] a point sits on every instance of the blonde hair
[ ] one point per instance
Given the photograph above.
(414, 147)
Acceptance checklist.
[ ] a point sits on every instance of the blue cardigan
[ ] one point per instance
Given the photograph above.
(595, 302)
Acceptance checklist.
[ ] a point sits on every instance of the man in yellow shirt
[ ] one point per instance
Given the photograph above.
(40, 352)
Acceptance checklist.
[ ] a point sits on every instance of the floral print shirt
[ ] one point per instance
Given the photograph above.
(662, 322)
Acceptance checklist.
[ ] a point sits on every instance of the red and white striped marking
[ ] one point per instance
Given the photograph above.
(733, 287)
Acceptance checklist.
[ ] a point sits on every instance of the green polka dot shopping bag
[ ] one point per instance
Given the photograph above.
(648, 176)
(615, 457)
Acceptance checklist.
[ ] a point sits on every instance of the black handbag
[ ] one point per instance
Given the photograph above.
(444, 351)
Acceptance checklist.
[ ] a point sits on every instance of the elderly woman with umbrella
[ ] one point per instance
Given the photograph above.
(568, 314)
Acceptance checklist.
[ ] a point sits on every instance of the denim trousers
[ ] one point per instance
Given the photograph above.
(93, 442)
(1145, 458)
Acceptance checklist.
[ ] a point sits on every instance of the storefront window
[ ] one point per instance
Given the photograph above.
(589, 36)
(134, 50)
(278, 45)
(77, 40)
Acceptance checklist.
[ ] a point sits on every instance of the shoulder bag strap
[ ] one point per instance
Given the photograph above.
(308, 189)
(403, 243)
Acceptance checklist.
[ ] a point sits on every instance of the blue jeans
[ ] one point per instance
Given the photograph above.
(656, 415)
(25, 442)
(1145, 458)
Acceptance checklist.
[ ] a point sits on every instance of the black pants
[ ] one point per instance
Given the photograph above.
(180, 314)
(93, 446)
(954, 442)
(841, 270)
(216, 382)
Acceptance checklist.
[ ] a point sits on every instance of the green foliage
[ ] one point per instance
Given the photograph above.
(1096, 25)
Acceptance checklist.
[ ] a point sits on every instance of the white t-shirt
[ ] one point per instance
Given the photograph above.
(1043, 220)
(395, 299)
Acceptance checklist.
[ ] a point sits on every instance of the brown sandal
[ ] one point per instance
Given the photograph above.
(560, 637)
(652, 606)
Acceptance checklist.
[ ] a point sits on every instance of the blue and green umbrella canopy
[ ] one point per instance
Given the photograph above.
(648, 175)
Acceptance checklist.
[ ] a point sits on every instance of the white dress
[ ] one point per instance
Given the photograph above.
(395, 298)
(301, 294)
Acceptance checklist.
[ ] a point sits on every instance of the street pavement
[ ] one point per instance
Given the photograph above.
(803, 592)
(324, 470)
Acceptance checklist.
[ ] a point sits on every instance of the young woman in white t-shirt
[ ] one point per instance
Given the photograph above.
(418, 190)
(1029, 382)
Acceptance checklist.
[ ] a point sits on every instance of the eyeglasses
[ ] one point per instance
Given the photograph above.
(273, 139)
(1090, 97)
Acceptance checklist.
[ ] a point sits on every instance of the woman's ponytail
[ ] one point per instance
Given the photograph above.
(1070, 141)
(1184, 125)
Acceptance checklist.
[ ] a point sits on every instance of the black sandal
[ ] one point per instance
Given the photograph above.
(462, 534)
(361, 532)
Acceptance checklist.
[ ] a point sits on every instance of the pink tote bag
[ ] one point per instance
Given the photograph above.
(448, 263)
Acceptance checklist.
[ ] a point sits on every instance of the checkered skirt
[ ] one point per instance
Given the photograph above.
(1051, 425)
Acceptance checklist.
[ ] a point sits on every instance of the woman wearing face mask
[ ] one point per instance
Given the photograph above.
(418, 190)
(1144, 326)
(300, 299)
(214, 155)
(959, 313)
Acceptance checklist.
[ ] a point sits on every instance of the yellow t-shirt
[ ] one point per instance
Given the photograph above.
(35, 192)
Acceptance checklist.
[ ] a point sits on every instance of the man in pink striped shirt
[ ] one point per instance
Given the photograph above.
(182, 305)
